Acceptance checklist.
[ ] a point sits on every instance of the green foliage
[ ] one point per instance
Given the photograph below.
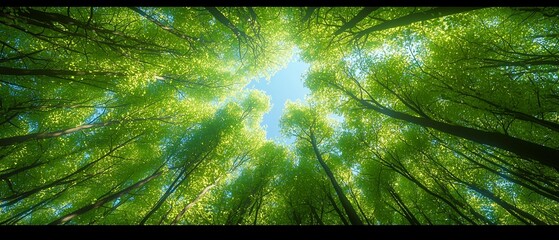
(140, 115)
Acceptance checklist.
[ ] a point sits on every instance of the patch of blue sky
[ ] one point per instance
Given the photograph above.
(286, 84)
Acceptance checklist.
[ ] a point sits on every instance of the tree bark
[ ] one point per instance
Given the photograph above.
(359, 207)
(104, 200)
(174, 185)
(404, 172)
(52, 72)
(38, 136)
(359, 17)
(46, 20)
(318, 219)
(171, 30)
(548, 193)
(503, 110)
(61, 181)
(545, 155)
(346, 204)
(518, 213)
(338, 211)
(406, 212)
(223, 20)
(308, 13)
(416, 17)
(196, 200)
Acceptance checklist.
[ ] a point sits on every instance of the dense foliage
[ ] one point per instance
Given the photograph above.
(139, 115)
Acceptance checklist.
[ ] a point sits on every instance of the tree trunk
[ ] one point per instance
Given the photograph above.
(104, 200)
(404, 172)
(171, 30)
(360, 16)
(350, 211)
(174, 185)
(17, 217)
(502, 110)
(308, 13)
(223, 20)
(52, 72)
(518, 213)
(46, 20)
(338, 211)
(318, 219)
(548, 193)
(359, 207)
(525, 149)
(196, 200)
(61, 181)
(406, 212)
(38, 136)
(415, 17)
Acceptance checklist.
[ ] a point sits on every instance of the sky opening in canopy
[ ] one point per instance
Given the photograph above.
(286, 84)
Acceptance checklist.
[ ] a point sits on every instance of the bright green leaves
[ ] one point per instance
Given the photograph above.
(153, 80)
(163, 88)
(300, 120)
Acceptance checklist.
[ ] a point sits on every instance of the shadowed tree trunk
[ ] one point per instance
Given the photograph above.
(336, 208)
(68, 179)
(102, 201)
(359, 17)
(169, 29)
(52, 72)
(38, 136)
(308, 13)
(525, 149)
(196, 200)
(416, 17)
(406, 212)
(346, 204)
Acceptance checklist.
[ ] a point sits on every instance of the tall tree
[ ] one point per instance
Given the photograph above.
(305, 124)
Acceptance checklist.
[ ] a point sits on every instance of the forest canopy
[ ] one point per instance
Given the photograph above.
(140, 115)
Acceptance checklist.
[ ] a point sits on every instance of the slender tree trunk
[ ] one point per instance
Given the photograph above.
(548, 193)
(346, 204)
(46, 20)
(223, 20)
(61, 181)
(38, 136)
(294, 214)
(174, 185)
(104, 200)
(359, 207)
(513, 210)
(505, 110)
(17, 217)
(308, 13)
(258, 206)
(416, 17)
(403, 172)
(405, 210)
(6, 176)
(196, 200)
(525, 149)
(171, 30)
(180, 178)
(318, 219)
(52, 72)
(338, 211)
(518, 213)
(360, 16)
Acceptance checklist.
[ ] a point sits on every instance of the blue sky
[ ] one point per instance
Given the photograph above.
(285, 84)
